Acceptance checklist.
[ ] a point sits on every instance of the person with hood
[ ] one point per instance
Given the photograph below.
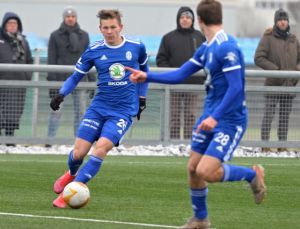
(278, 50)
(177, 47)
(66, 44)
(14, 49)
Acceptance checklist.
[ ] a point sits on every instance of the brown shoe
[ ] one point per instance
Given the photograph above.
(257, 185)
(195, 223)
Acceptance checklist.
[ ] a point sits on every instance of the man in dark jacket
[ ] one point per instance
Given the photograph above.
(66, 44)
(176, 48)
(14, 49)
(278, 50)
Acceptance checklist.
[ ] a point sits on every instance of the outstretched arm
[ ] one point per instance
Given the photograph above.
(171, 77)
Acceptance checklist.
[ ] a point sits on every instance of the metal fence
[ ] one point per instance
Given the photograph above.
(155, 126)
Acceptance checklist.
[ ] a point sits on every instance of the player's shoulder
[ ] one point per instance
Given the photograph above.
(133, 41)
(96, 45)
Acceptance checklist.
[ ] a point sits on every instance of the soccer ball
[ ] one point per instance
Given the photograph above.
(76, 194)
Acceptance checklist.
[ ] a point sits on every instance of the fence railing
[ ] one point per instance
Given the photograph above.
(154, 127)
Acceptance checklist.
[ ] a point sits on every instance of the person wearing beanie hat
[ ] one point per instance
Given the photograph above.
(278, 50)
(69, 11)
(175, 48)
(65, 46)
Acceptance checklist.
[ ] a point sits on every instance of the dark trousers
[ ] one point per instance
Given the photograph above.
(285, 107)
(186, 103)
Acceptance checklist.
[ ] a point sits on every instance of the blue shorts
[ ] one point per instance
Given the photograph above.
(94, 125)
(220, 142)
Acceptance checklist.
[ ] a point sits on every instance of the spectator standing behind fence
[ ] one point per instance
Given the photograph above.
(176, 48)
(14, 49)
(66, 44)
(278, 50)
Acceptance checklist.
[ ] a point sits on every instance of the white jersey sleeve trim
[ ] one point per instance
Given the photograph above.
(78, 70)
(231, 68)
(144, 61)
(195, 62)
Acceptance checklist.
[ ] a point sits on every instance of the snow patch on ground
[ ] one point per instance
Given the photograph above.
(142, 150)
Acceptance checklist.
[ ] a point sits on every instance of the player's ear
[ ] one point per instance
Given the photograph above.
(100, 27)
(121, 27)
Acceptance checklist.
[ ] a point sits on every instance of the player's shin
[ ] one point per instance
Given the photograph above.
(237, 173)
(89, 170)
(73, 164)
(198, 198)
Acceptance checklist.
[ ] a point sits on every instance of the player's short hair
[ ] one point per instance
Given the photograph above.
(210, 12)
(109, 14)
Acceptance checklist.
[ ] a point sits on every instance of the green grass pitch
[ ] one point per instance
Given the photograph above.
(143, 192)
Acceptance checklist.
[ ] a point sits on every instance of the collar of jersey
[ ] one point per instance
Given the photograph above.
(116, 46)
(215, 37)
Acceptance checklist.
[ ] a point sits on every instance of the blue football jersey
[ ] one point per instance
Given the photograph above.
(219, 56)
(116, 94)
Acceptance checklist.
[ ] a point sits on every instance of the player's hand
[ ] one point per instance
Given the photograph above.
(142, 107)
(136, 75)
(207, 124)
(56, 101)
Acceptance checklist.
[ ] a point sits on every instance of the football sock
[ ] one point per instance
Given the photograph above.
(237, 173)
(198, 197)
(73, 164)
(89, 170)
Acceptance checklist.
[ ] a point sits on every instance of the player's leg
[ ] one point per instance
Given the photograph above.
(198, 195)
(111, 134)
(76, 156)
(93, 165)
(212, 168)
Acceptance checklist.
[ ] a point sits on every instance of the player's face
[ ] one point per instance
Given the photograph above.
(111, 30)
(282, 24)
(185, 22)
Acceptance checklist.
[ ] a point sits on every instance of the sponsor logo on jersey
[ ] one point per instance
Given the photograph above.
(128, 55)
(119, 83)
(117, 71)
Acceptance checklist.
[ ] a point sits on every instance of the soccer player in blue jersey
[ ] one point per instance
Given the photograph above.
(220, 128)
(117, 100)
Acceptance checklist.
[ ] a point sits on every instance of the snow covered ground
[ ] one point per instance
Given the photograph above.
(142, 150)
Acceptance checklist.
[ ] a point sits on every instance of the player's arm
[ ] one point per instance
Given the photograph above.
(83, 65)
(171, 77)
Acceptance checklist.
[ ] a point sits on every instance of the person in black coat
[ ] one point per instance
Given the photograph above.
(177, 47)
(14, 49)
(66, 44)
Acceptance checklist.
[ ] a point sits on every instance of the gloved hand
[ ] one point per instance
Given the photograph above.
(53, 92)
(142, 107)
(56, 101)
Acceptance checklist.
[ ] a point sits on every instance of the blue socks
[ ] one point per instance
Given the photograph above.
(198, 197)
(73, 165)
(89, 170)
(237, 173)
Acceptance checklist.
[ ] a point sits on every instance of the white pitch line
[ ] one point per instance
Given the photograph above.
(85, 220)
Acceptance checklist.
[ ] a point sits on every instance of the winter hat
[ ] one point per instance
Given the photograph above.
(188, 14)
(69, 11)
(280, 14)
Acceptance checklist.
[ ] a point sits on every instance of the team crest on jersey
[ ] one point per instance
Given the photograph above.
(231, 57)
(117, 71)
(128, 55)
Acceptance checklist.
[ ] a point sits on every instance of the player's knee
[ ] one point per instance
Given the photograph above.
(203, 174)
(100, 152)
(191, 169)
(78, 154)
